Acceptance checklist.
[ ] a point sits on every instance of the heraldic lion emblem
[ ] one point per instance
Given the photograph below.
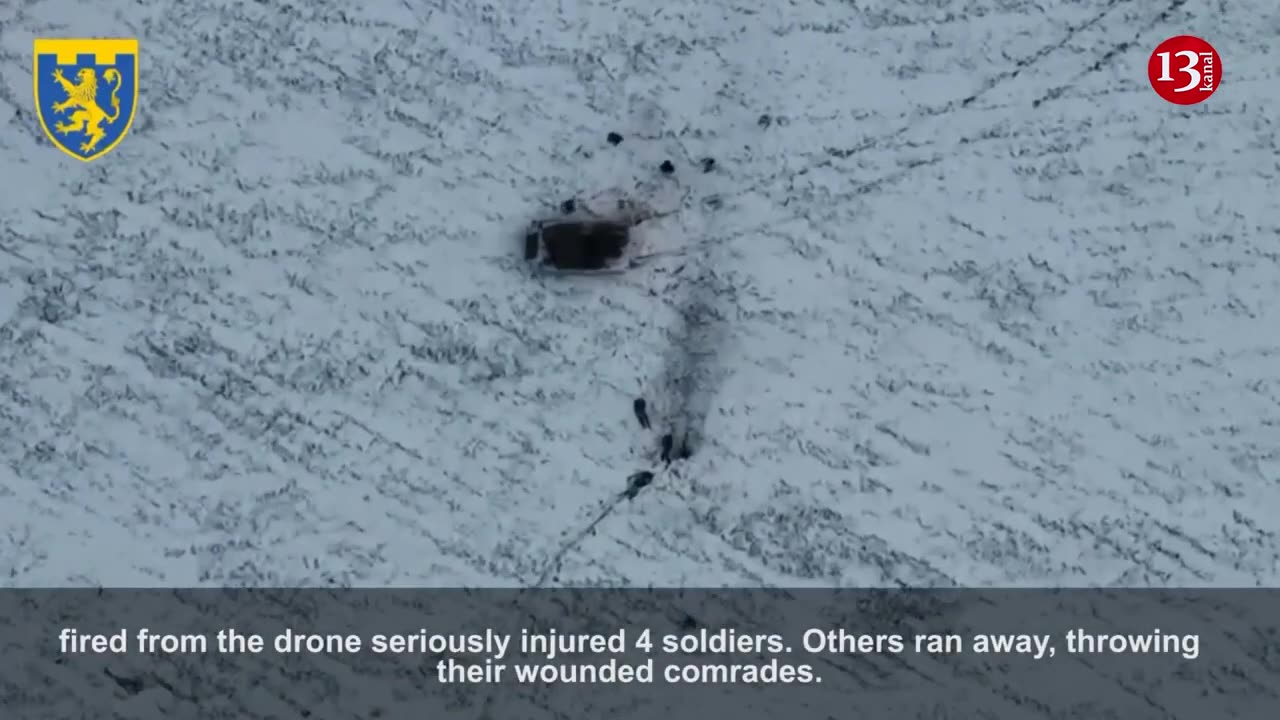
(88, 116)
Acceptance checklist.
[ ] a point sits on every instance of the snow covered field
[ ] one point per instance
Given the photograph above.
(971, 306)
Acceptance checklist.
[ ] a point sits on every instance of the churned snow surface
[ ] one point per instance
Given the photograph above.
(962, 302)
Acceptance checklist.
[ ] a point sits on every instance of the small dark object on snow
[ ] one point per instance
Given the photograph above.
(131, 685)
(642, 413)
(531, 246)
(614, 138)
(764, 121)
(688, 623)
(584, 245)
(666, 167)
(708, 164)
(685, 452)
(568, 206)
(637, 482)
(667, 441)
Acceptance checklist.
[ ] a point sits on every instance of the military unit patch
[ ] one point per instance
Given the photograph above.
(86, 93)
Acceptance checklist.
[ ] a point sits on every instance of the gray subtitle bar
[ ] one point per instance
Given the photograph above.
(698, 654)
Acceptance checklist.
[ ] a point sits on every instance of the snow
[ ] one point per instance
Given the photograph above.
(975, 308)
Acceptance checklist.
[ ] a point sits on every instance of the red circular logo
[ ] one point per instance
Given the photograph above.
(1185, 70)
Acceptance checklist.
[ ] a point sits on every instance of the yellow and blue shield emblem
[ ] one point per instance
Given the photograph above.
(86, 93)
